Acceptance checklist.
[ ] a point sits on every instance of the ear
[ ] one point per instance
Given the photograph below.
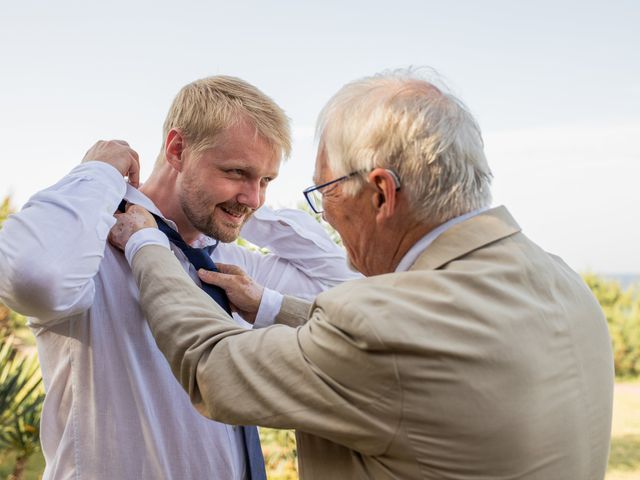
(174, 149)
(385, 195)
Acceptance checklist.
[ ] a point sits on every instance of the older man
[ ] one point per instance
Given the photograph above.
(468, 352)
(113, 409)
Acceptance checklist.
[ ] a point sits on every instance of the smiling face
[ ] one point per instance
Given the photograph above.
(222, 186)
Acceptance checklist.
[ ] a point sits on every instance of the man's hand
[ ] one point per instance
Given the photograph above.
(119, 155)
(135, 218)
(244, 294)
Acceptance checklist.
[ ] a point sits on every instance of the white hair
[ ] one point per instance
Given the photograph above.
(400, 121)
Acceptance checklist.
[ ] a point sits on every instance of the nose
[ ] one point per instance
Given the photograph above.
(252, 195)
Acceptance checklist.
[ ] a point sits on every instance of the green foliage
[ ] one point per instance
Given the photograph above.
(33, 468)
(280, 456)
(622, 310)
(21, 397)
(5, 209)
(12, 322)
(625, 453)
(624, 459)
(21, 391)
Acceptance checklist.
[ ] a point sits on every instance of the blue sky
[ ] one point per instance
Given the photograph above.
(554, 85)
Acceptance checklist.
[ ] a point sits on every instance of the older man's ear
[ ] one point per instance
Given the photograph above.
(385, 197)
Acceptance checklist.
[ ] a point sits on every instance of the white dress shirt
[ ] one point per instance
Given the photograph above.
(113, 409)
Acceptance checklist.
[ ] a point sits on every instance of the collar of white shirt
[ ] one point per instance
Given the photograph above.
(421, 245)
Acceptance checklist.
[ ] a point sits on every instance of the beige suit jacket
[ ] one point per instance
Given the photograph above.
(489, 359)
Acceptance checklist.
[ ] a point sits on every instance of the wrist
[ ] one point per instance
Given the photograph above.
(143, 237)
(270, 304)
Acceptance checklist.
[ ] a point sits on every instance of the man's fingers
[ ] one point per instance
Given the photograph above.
(134, 178)
(229, 269)
(214, 278)
(134, 170)
(130, 207)
(119, 155)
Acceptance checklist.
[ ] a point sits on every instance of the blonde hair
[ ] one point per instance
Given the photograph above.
(205, 108)
(400, 121)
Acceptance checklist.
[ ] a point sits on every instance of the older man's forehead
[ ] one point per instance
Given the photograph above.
(319, 172)
(321, 165)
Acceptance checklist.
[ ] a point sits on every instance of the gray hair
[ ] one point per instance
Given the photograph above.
(400, 121)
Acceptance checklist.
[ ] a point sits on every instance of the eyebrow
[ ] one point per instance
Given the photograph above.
(247, 167)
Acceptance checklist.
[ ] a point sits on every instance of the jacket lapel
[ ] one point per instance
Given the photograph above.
(486, 227)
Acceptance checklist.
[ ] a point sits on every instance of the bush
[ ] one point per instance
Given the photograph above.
(622, 310)
(21, 391)
(21, 397)
(280, 456)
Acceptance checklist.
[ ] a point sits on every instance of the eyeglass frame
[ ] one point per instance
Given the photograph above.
(309, 190)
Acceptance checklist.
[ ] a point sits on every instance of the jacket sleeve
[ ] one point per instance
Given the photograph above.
(51, 250)
(315, 378)
(294, 312)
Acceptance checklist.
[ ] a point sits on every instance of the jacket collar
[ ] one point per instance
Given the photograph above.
(476, 232)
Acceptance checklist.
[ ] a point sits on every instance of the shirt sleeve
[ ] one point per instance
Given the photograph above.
(146, 236)
(51, 250)
(270, 304)
(302, 260)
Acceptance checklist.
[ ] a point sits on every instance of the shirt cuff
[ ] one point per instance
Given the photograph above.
(269, 307)
(146, 236)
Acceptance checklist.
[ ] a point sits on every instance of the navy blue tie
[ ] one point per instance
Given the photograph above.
(199, 258)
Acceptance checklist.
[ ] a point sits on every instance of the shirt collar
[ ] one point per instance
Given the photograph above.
(133, 195)
(421, 245)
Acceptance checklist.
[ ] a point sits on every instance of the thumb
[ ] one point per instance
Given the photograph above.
(134, 172)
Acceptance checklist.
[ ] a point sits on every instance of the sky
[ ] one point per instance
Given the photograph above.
(555, 86)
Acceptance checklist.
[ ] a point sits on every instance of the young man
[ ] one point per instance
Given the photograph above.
(113, 409)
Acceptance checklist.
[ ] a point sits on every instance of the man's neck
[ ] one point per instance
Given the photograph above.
(427, 237)
(393, 241)
(406, 240)
(162, 192)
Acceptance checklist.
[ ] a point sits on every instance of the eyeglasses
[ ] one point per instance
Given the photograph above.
(313, 194)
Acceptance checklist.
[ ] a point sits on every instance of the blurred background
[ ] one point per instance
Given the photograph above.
(555, 86)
